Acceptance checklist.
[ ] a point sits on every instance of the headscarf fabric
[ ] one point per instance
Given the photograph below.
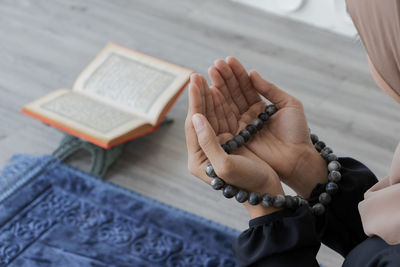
(378, 24)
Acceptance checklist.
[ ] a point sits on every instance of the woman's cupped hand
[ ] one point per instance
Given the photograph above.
(280, 151)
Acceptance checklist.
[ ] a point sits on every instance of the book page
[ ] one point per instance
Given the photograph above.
(132, 81)
(83, 113)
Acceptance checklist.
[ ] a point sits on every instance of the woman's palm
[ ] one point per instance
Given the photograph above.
(283, 139)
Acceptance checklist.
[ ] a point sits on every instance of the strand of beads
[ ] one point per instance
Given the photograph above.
(334, 175)
(250, 130)
(278, 201)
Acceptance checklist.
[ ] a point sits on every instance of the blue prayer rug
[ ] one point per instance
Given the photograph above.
(54, 215)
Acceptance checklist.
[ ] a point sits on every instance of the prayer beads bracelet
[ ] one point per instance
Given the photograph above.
(278, 201)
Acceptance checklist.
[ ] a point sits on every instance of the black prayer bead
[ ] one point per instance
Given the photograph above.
(239, 140)
(318, 209)
(271, 110)
(296, 199)
(263, 116)
(226, 148)
(325, 198)
(290, 202)
(325, 152)
(251, 128)
(217, 183)
(245, 134)
(319, 146)
(314, 138)
(279, 201)
(334, 166)
(254, 198)
(210, 171)
(303, 202)
(242, 196)
(334, 176)
(232, 145)
(331, 157)
(267, 200)
(230, 191)
(331, 188)
(257, 123)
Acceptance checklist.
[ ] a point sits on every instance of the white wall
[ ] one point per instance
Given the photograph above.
(327, 14)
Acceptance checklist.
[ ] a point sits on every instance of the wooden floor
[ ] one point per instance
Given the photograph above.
(45, 44)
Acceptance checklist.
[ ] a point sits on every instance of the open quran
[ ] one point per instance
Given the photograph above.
(121, 95)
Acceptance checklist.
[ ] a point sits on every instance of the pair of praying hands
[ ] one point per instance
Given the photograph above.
(280, 151)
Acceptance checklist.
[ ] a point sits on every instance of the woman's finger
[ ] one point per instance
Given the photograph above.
(242, 77)
(233, 85)
(219, 82)
(271, 92)
(197, 161)
(196, 80)
(218, 99)
(230, 117)
(209, 103)
(195, 106)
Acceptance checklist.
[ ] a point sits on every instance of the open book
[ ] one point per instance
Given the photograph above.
(121, 95)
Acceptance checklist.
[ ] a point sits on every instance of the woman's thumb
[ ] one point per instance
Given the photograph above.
(269, 90)
(207, 138)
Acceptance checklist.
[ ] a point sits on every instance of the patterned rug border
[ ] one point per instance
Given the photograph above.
(47, 161)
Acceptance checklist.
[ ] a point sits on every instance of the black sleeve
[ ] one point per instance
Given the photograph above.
(340, 228)
(374, 252)
(283, 238)
(292, 237)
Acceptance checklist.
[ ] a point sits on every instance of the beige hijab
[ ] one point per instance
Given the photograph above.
(378, 23)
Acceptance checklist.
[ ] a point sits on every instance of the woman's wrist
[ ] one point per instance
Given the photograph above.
(311, 170)
(259, 210)
(274, 188)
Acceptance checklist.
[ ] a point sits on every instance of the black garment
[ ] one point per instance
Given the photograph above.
(292, 237)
